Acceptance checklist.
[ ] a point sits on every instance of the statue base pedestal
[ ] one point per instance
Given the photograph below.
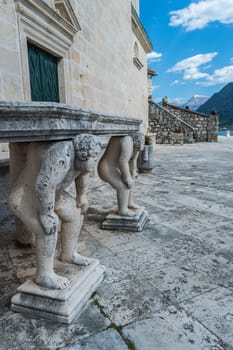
(126, 223)
(56, 304)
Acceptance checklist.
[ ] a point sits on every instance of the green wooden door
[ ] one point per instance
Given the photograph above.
(43, 75)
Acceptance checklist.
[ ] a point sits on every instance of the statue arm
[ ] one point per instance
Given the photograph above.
(81, 183)
(133, 165)
(54, 167)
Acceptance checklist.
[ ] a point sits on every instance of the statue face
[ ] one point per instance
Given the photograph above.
(86, 166)
(87, 151)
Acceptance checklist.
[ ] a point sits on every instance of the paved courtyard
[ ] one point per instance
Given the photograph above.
(169, 287)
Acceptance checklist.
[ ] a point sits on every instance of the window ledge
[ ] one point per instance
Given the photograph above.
(137, 63)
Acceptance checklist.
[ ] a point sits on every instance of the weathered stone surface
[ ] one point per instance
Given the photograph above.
(109, 339)
(56, 305)
(126, 223)
(185, 266)
(214, 310)
(192, 219)
(116, 269)
(182, 282)
(129, 300)
(147, 260)
(175, 125)
(25, 332)
(171, 329)
(44, 121)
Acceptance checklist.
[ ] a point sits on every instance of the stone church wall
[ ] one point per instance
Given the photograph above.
(96, 71)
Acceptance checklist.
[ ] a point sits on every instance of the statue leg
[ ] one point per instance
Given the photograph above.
(114, 169)
(24, 205)
(123, 200)
(71, 225)
(132, 204)
(112, 176)
(45, 251)
(18, 158)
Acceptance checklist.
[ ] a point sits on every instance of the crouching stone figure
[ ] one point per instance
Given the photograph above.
(39, 198)
(118, 167)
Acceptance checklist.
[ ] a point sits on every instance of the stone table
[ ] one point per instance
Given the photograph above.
(56, 135)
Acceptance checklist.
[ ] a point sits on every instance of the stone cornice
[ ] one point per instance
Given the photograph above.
(140, 31)
(36, 121)
(37, 12)
(66, 11)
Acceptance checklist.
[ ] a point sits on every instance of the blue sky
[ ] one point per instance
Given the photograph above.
(192, 46)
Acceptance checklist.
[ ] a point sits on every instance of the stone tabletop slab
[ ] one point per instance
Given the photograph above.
(39, 121)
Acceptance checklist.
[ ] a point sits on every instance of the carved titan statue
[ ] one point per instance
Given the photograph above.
(39, 200)
(118, 167)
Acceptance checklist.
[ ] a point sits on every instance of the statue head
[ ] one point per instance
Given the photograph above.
(138, 141)
(87, 151)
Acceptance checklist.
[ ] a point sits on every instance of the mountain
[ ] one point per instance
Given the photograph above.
(195, 102)
(222, 102)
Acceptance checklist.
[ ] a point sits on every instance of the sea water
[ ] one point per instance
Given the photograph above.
(224, 132)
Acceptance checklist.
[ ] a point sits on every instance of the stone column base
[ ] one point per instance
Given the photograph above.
(126, 223)
(60, 305)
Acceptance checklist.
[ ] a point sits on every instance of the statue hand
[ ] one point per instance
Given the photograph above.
(50, 223)
(128, 181)
(82, 202)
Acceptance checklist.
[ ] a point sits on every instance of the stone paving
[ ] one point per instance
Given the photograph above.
(169, 287)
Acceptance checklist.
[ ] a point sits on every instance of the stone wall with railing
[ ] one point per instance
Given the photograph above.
(167, 127)
(171, 123)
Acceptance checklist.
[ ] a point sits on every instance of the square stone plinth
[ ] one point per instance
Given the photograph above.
(60, 305)
(126, 223)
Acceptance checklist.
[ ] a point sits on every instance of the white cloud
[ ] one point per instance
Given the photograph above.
(153, 56)
(177, 101)
(220, 76)
(190, 66)
(155, 87)
(157, 99)
(175, 82)
(199, 14)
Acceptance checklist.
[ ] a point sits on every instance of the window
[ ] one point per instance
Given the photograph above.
(47, 29)
(136, 59)
(43, 69)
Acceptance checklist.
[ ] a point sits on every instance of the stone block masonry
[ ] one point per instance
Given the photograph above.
(95, 59)
(169, 122)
